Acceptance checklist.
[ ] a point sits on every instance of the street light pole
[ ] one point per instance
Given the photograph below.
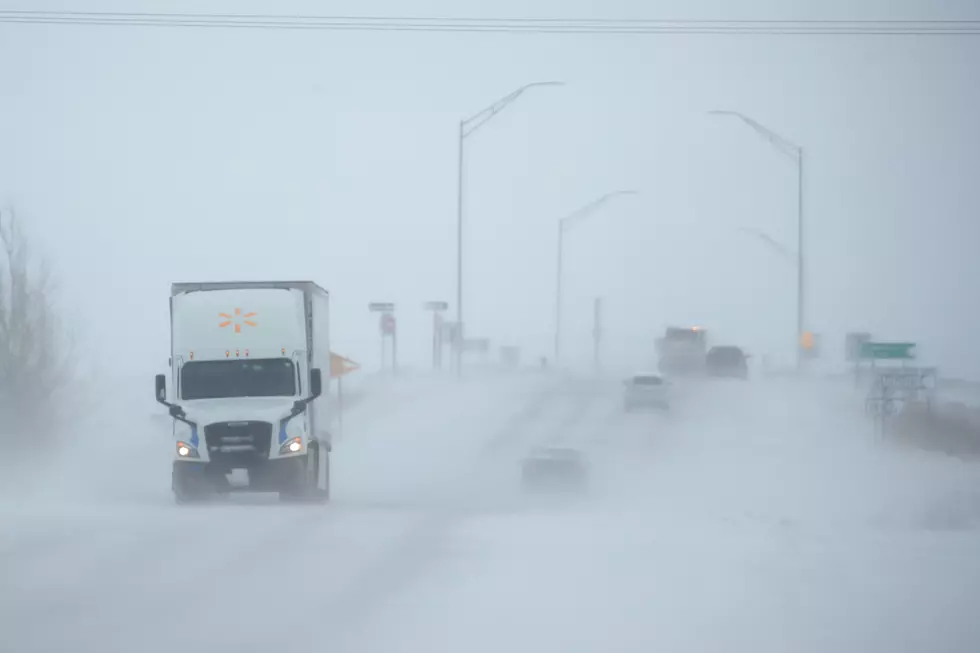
(457, 341)
(800, 268)
(558, 275)
(466, 127)
(565, 223)
(795, 152)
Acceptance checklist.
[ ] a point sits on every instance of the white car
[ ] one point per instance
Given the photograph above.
(646, 390)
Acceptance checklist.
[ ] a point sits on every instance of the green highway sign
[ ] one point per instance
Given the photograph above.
(888, 350)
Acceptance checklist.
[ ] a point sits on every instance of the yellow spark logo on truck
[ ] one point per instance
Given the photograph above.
(238, 320)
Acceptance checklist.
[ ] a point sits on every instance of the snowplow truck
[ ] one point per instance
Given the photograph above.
(682, 351)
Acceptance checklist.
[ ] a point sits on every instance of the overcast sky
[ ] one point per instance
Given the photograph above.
(139, 156)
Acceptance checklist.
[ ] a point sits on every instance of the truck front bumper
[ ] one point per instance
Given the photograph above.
(271, 475)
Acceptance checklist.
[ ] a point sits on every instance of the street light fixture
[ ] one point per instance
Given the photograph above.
(772, 243)
(466, 127)
(565, 223)
(795, 152)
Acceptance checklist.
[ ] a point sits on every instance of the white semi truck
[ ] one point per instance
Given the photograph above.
(245, 378)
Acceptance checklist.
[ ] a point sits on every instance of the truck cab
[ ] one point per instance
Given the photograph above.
(245, 380)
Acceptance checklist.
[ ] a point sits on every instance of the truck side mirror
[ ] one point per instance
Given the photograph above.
(316, 382)
(161, 388)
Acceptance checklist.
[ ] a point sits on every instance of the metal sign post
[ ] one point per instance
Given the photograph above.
(339, 368)
(437, 308)
(388, 327)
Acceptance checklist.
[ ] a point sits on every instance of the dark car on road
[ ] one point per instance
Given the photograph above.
(727, 361)
(554, 468)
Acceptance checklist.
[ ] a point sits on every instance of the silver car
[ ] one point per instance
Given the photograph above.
(647, 390)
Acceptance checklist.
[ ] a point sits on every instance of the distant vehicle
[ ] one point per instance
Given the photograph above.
(554, 469)
(246, 360)
(646, 391)
(727, 361)
(681, 351)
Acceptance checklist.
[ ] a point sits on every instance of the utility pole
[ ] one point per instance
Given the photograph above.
(561, 239)
(565, 223)
(596, 333)
(795, 152)
(800, 270)
(457, 342)
(466, 127)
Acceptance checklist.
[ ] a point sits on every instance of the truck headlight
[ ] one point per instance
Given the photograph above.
(185, 450)
(295, 445)
(186, 432)
(290, 430)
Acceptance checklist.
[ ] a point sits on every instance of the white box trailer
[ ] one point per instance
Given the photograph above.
(245, 375)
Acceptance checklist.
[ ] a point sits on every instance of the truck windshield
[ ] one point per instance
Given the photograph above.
(270, 377)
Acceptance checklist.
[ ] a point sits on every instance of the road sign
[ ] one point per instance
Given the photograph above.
(476, 344)
(853, 343)
(807, 340)
(888, 350)
(339, 366)
(910, 379)
(387, 324)
(381, 307)
(810, 344)
(436, 306)
(904, 381)
(883, 406)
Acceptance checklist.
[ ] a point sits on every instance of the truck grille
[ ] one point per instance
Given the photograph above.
(239, 440)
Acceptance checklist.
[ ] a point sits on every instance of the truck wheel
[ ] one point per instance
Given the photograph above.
(186, 487)
(305, 485)
(324, 493)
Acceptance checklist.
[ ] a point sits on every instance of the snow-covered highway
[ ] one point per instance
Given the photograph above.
(755, 516)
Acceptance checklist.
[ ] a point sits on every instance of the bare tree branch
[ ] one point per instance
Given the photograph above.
(34, 365)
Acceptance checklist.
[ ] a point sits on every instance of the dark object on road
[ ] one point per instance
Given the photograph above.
(727, 361)
(554, 469)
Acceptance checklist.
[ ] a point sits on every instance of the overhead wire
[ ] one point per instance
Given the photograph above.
(548, 25)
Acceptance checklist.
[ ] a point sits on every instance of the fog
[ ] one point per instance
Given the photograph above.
(764, 515)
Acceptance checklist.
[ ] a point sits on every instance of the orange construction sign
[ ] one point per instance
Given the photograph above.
(339, 366)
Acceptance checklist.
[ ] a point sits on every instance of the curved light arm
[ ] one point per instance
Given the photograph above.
(784, 145)
(579, 214)
(778, 247)
(483, 117)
